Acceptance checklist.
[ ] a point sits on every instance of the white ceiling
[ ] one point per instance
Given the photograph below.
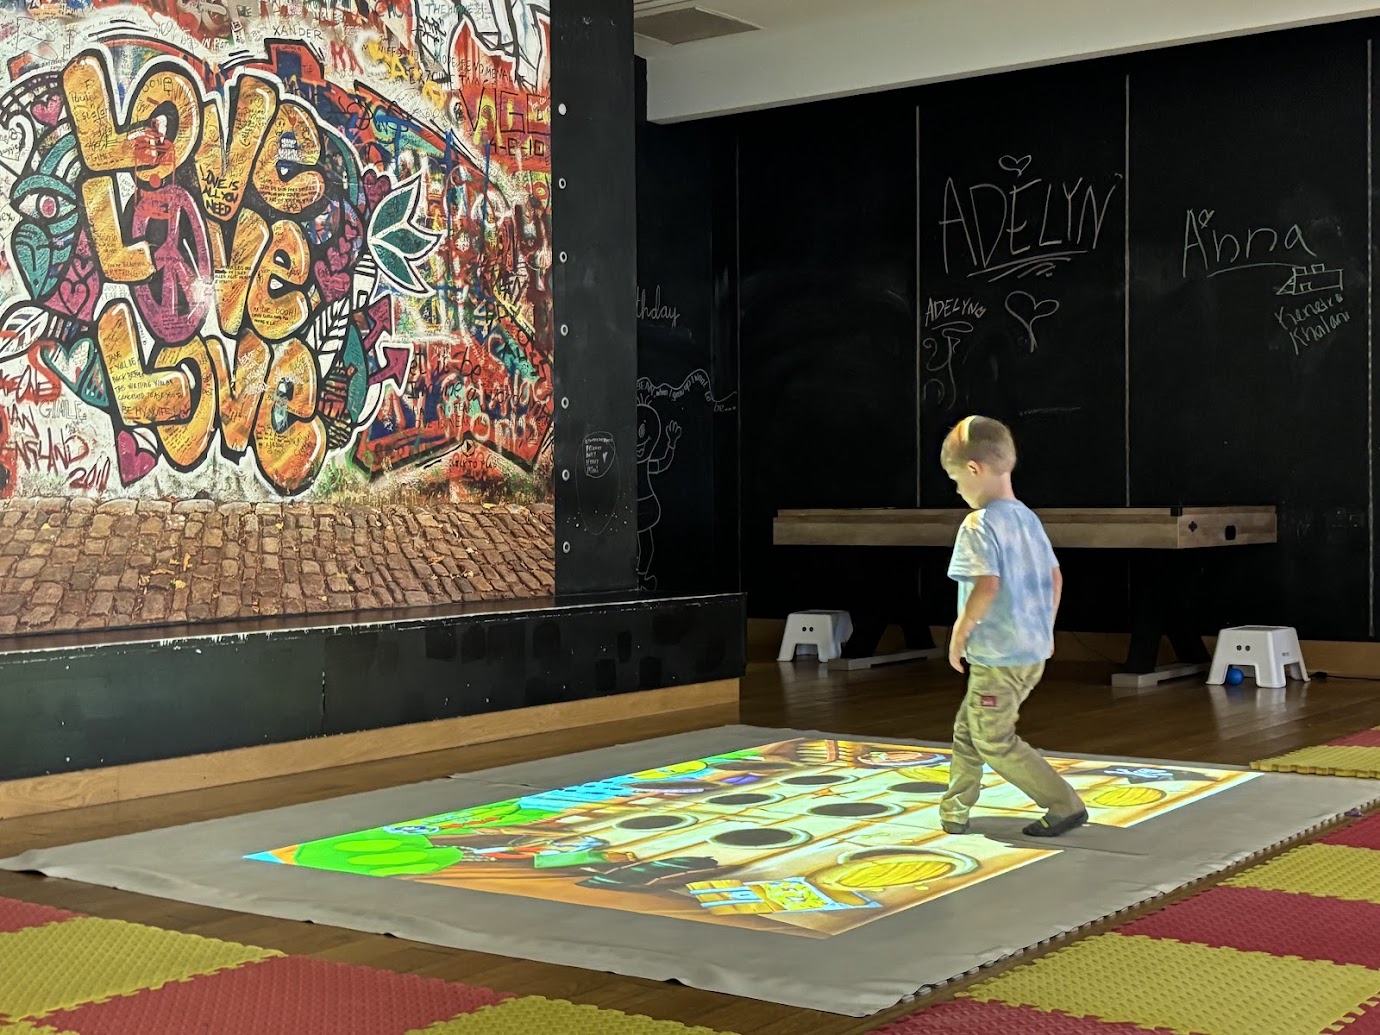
(767, 15)
(815, 49)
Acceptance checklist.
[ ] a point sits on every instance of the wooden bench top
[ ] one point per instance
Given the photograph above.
(1107, 528)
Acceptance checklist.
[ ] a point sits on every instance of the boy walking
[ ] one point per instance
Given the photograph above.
(1009, 586)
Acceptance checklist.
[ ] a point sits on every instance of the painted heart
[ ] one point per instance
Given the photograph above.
(69, 360)
(135, 461)
(49, 111)
(76, 294)
(1205, 216)
(93, 389)
(1013, 164)
(334, 285)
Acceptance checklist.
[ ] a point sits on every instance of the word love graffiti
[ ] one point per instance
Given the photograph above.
(206, 258)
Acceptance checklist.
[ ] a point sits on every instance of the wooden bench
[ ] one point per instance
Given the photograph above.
(1071, 528)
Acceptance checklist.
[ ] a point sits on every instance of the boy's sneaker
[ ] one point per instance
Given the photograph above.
(951, 827)
(1052, 826)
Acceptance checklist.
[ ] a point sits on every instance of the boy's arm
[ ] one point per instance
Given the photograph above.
(1058, 595)
(979, 603)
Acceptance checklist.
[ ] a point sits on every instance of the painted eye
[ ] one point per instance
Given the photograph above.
(44, 205)
(46, 198)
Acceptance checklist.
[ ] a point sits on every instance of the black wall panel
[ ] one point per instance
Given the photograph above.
(1249, 384)
(687, 361)
(1156, 267)
(827, 346)
(90, 706)
(594, 235)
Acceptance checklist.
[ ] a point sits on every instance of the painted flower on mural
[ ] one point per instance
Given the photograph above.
(397, 242)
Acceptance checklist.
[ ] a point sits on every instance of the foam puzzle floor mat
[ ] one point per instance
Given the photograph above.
(1223, 962)
(66, 974)
(1355, 755)
(1289, 947)
(797, 867)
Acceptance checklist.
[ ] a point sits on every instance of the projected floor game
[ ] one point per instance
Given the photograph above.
(807, 837)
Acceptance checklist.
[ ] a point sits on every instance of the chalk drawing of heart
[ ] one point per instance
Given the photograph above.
(1205, 216)
(1026, 309)
(1014, 165)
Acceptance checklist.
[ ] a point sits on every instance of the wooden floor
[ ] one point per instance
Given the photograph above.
(1074, 710)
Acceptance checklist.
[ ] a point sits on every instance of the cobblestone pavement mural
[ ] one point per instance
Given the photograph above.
(70, 564)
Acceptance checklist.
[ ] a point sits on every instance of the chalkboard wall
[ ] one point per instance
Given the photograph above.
(1155, 267)
(687, 360)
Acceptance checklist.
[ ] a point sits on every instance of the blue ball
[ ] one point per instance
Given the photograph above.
(1234, 676)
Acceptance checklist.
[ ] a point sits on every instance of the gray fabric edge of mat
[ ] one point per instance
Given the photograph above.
(1100, 873)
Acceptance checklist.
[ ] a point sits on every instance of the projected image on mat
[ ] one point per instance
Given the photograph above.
(809, 837)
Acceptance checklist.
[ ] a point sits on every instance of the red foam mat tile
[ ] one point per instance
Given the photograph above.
(1365, 1022)
(968, 1017)
(289, 995)
(1276, 922)
(1364, 739)
(1365, 834)
(16, 915)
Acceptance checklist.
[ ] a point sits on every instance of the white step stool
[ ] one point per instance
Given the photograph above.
(1271, 650)
(825, 631)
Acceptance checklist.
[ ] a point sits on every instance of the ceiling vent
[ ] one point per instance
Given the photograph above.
(688, 24)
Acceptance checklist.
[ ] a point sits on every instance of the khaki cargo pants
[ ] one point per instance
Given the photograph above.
(985, 731)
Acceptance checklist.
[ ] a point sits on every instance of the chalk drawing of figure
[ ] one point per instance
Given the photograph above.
(649, 463)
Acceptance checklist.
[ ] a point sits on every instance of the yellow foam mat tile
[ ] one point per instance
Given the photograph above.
(61, 966)
(1160, 983)
(531, 1014)
(1325, 761)
(1331, 871)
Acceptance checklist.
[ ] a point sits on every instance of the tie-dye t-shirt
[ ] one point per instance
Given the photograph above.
(1006, 539)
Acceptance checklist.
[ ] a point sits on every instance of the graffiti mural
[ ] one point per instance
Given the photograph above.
(270, 251)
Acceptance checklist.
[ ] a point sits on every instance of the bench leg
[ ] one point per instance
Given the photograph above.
(1162, 586)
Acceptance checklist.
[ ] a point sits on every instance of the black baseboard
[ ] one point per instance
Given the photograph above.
(67, 704)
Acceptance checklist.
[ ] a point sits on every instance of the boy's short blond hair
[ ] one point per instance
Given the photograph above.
(981, 440)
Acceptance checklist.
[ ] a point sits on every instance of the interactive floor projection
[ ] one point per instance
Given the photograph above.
(803, 836)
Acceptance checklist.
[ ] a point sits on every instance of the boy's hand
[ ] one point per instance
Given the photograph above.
(956, 648)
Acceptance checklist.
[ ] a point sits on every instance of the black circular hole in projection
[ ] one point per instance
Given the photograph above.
(651, 822)
(920, 787)
(851, 809)
(739, 799)
(754, 837)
